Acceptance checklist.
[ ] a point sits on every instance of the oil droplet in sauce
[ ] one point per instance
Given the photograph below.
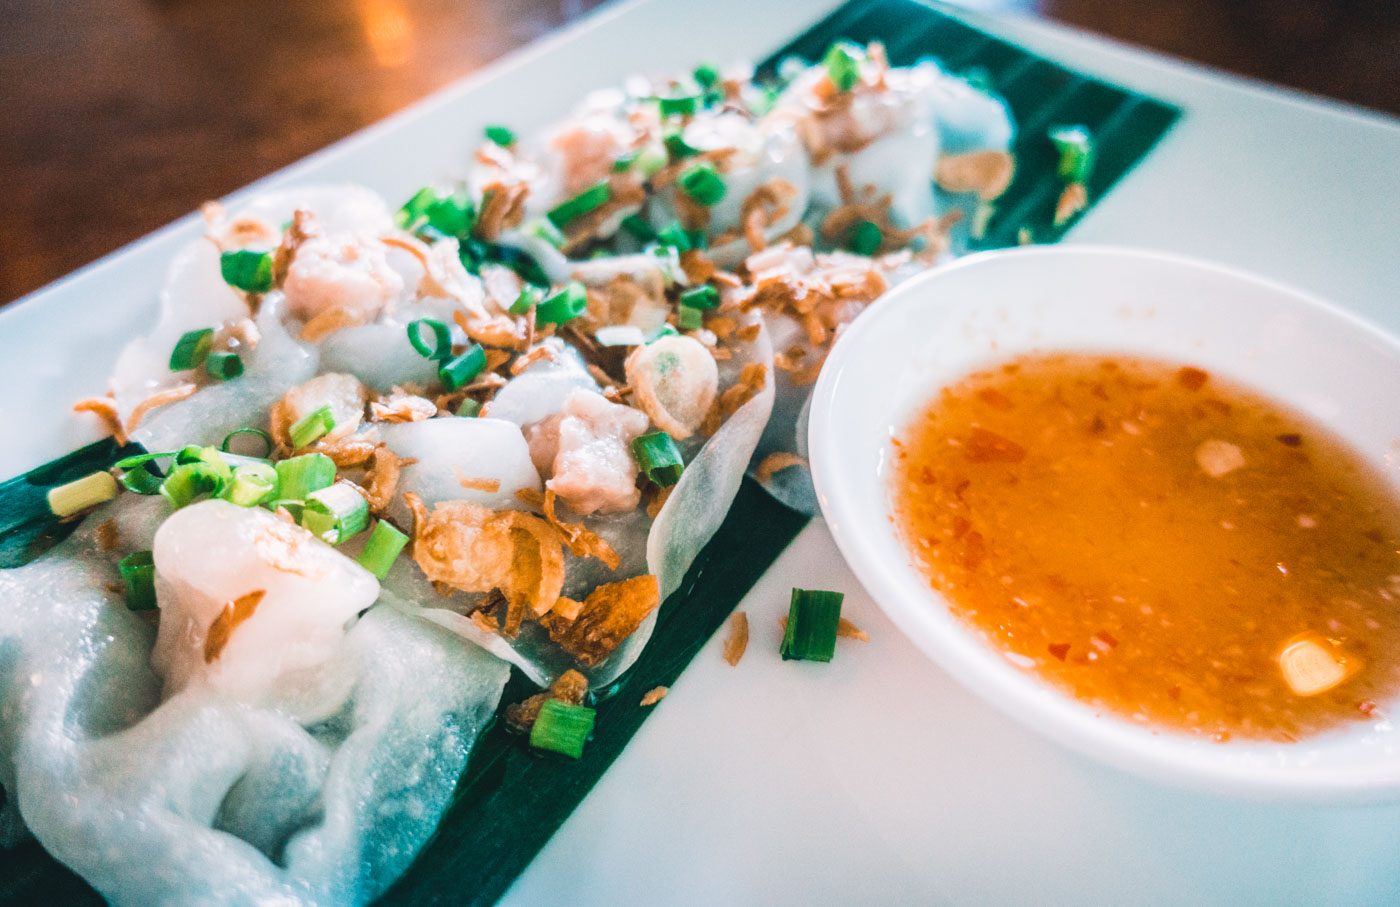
(1159, 543)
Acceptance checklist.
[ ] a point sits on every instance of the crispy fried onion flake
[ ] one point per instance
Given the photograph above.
(610, 614)
(233, 614)
(474, 549)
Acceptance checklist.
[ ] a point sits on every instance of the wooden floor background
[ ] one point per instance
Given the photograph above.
(121, 115)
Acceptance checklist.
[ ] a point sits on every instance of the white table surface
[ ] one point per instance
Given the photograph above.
(874, 778)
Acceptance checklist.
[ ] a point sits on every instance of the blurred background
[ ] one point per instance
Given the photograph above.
(121, 115)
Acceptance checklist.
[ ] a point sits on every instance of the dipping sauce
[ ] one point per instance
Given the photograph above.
(1158, 543)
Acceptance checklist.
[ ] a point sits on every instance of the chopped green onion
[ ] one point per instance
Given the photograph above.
(543, 228)
(562, 214)
(459, 371)
(842, 64)
(382, 549)
(438, 346)
(138, 459)
(140, 479)
(335, 513)
(138, 572)
(636, 226)
(298, 477)
(703, 183)
(981, 219)
(676, 236)
(682, 106)
(865, 238)
(258, 433)
(80, 494)
(311, 427)
(625, 160)
(188, 481)
(665, 330)
(191, 349)
(562, 728)
(451, 213)
(247, 270)
(500, 135)
(223, 365)
(469, 408)
(706, 75)
(252, 484)
(650, 158)
(1076, 148)
(704, 296)
(567, 304)
(659, 457)
(813, 617)
(688, 319)
(529, 296)
(677, 146)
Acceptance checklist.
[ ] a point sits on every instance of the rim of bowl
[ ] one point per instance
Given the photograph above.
(976, 666)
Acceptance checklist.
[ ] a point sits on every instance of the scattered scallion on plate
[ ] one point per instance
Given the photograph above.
(565, 305)
(265, 444)
(80, 494)
(1076, 147)
(562, 727)
(676, 145)
(459, 371)
(252, 484)
(138, 573)
(529, 296)
(247, 270)
(335, 513)
(659, 458)
(569, 210)
(469, 408)
(382, 549)
(430, 338)
(814, 616)
(688, 319)
(297, 477)
(703, 183)
(636, 226)
(680, 105)
(311, 427)
(191, 349)
(706, 75)
(542, 228)
(704, 296)
(450, 213)
(188, 481)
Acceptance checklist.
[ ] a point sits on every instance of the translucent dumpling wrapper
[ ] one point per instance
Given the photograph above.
(664, 547)
(207, 798)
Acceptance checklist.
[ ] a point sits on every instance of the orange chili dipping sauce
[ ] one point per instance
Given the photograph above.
(1158, 543)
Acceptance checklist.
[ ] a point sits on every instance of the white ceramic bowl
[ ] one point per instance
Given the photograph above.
(938, 327)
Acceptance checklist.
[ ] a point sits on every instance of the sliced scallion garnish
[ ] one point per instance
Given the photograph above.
(252, 484)
(189, 481)
(500, 135)
(449, 213)
(459, 371)
(678, 106)
(382, 549)
(658, 457)
(80, 494)
(865, 238)
(563, 306)
(636, 226)
(842, 62)
(138, 572)
(264, 442)
(562, 214)
(704, 296)
(140, 479)
(676, 145)
(706, 75)
(298, 477)
(1076, 147)
(430, 338)
(311, 427)
(335, 513)
(191, 349)
(469, 408)
(224, 366)
(562, 727)
(703, 183)
(676, 236)
(247, 270)
(542, 228)
(529, 296)
(813, 618)
(688, 319)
